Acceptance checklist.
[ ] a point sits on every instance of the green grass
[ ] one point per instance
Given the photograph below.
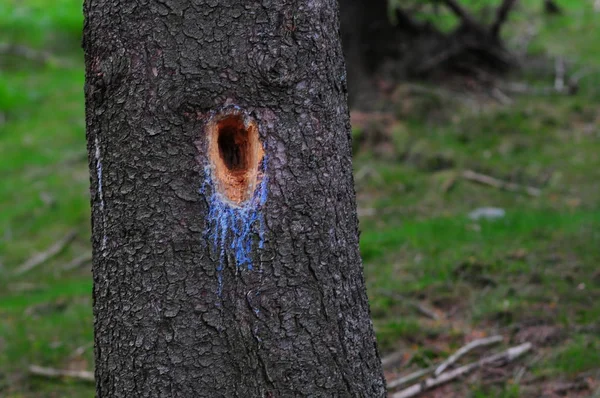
(536, 266)
(579, 355)
(37, 23)
(510, 391)
(46, 313)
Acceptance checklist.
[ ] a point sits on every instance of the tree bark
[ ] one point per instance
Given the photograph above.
(224, 223)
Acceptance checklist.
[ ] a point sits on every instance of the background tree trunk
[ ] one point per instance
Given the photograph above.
(411, 48)
(261, 295)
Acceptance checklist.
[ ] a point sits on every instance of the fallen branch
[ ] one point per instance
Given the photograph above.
(521, 372)
(423, 310)
(81, 349)
(408, 378)
(464, 350)
(444, 365)
(34, 55)
(505, 357)
(499, 96)
(449, 183)
(569, 87)
(420, 307)
(496, 183)
(78, 261)
(46, 255)
(52, 373)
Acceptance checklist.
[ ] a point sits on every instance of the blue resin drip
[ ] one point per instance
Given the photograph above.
(231, 228)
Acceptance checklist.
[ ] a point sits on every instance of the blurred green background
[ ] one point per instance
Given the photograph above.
(436, 277)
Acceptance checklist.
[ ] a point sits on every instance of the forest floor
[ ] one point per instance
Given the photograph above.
(437, 278)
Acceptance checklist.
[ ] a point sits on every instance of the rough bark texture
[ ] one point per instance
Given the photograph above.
(194, 297)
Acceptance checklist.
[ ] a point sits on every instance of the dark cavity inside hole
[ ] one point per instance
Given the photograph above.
(233, 146)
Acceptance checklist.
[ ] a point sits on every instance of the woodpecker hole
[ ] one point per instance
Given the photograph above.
(235, 152)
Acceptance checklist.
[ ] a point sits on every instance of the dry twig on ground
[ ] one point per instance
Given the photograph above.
(78, 261)
(420, 307)
(83, 375)
(505, 357)
(47, 254)
(443, 366)
(464, 350)
(496, 183)
(408, 378)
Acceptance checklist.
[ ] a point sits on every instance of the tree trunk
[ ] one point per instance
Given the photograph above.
(225, 236)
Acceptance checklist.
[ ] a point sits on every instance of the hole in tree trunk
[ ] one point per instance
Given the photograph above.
(235, 152)
(233, 147)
